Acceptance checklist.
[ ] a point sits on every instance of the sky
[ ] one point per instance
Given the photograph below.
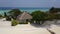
(29, 3)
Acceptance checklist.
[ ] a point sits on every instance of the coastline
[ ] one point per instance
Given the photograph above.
(30, 10)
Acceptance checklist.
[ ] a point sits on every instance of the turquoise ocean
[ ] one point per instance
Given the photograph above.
(28, 9)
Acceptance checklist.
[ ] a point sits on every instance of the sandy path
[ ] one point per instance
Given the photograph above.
(23, 30)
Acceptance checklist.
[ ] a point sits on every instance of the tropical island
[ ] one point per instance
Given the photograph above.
(38, 17)
(37, 20)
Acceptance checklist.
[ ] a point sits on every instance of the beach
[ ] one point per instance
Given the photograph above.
(6, 28)
(29, 16)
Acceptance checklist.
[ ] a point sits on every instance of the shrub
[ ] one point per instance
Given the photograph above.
(8, 18)
(14, 22)
(1, 16)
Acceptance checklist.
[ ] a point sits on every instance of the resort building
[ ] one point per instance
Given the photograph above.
(24, 17)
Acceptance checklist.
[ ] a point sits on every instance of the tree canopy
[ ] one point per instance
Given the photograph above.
(54, 10)
(14, 12)
(5, 15)
(38, 15)
(54, 13)
(0, 15)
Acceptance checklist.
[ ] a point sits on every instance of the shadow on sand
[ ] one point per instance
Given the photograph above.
(39, 26)
(57, 24)
(44, 25)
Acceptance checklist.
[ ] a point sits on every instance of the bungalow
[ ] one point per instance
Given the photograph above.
(24, 17)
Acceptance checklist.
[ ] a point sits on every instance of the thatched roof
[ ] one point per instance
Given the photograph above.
(24, 15)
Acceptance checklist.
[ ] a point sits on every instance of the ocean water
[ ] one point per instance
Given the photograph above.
(30, 10)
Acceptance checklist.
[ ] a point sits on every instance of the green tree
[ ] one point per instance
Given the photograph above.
(5, 15)
(51, 16)
(51, 10)
(14, 12)
(38, 16)
(1, 16)
(54, 10)
(54, 13)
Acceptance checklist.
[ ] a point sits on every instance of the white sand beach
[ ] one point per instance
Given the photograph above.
(6, 28)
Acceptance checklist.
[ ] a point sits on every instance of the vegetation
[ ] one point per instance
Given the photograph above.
(50, 16)
(38, 16)
(1, 16)
(8, 18)
(57, 16)
(5, 15)
(51, 10)
(14, 22)
(55, 13)
(42, 16)
(14, 13)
